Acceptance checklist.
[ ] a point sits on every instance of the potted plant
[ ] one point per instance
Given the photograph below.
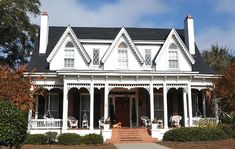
(154, 124)
(107, 124)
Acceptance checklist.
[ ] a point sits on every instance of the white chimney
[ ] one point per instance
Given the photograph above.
(43, 33)
(189, 34)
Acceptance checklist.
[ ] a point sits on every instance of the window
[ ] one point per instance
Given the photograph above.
(96, 57)
(158, 106)
(69, 55)
(84, 107)
(148, 57)
(122, 55)
(52, 104)
(173, 56)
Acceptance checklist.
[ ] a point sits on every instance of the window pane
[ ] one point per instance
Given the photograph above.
(69, 57)
(173, 59)
(96, 57)
(148, 57)
(122, 58)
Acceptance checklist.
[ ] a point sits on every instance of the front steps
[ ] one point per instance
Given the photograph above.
(130, 135)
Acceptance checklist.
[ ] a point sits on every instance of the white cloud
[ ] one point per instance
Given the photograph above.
(212, 35)
(226, 6)
(120, 13)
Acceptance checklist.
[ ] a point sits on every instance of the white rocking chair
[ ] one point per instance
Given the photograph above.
(101, 122)
(146, 121)
(73, 122)
(175, 120)
(84, 121)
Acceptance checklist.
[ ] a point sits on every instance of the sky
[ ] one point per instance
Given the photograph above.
(214, 20)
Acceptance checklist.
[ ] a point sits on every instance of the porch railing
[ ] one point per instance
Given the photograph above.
(199, 120)
(46, 123)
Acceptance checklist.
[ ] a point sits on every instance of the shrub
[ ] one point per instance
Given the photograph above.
(13, 124)
(92, 139)
(51, 137)
(195, 134)
(207, 123)
(36, 139)
(227, 128)
(69, 139)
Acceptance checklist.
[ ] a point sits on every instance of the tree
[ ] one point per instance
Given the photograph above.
(224, 88)
(218, 58)
(17, 34)
(15, 87)
(13, 124)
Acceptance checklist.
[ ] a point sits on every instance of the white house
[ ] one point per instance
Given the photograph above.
(86, 73)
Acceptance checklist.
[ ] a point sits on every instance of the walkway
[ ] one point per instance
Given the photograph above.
(140, 146)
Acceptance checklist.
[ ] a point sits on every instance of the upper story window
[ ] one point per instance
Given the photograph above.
(69, 55)
(173, 56)
(148, 57)
(96, 56)
(122, 55)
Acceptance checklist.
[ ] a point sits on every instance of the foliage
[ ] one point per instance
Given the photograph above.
(92, 139)
(13, 124)
(15, 87)
(224, 88)
(36, 139)
(51, 137)
(227, 128)
(207, 122)
(188, 134)
(17, 34)
(217, 57)
(69, 139)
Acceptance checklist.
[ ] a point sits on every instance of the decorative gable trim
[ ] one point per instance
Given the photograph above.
(174, 33)
(69, 32)
(130, 42)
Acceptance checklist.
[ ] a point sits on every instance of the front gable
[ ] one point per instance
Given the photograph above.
(185, 60)
(56, 56)
(111, 55)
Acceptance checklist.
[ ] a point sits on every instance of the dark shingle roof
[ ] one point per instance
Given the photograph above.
(39, 62)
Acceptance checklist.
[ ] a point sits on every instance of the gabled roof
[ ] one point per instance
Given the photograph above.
(123, 33)
(173, 33)
(69, 32)
(39, 62)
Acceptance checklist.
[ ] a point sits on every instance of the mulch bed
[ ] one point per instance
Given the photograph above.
(224, 144)
(101, 146)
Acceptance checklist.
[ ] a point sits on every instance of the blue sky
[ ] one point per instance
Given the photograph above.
(214, 19)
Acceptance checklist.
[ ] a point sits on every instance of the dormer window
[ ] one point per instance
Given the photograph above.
(96, 56)
(69, 55)
(148, 58)
(122, 55)
(173, 57)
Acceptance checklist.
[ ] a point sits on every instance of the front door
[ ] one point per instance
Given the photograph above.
(122, 106)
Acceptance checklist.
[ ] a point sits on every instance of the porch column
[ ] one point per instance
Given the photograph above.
(185, 108)
(151, 102)
(165, 106)
(36, 107)
(106, 100)
(65, 107)
(92, 106)
(190, 106)
(204, 103)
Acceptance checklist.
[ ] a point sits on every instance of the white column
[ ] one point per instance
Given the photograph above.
(185, 108)
(190, 105)
(65, 107)
(36, 107)
(151, 102)
(92, 106)
(106, 101)
(165, 106)
(204, 102)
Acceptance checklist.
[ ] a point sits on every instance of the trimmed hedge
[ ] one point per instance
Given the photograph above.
(92, 139)
(51, 137)
(69, 139)
(195, 134)
(227, 128)
(36, 139)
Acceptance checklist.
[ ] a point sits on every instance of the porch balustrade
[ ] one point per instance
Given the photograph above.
(199, 120)
(46, 123)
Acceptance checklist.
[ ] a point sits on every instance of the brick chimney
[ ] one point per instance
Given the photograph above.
(43, 33)
(189, 34)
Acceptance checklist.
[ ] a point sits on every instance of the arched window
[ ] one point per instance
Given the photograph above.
(69, 55)
(122, 55)
(173, 56)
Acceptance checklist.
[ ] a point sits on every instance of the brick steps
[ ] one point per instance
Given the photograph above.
(130, 135)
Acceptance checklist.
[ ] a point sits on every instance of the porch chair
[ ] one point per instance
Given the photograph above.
(175, 120)
(101, 122)
(146, 121)
(48, 119)
(73, 122)
(159, 123)
(84, 121)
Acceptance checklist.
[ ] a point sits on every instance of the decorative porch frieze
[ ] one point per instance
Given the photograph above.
(158, 86)
(176, 86)
(128, 86)
(51, 86)
(99, 86)
(78, 86)
(202, 87)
